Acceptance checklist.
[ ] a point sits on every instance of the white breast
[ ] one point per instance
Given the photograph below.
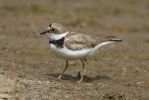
(70, 54)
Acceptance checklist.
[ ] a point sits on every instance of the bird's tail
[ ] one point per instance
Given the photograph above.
(108, 40)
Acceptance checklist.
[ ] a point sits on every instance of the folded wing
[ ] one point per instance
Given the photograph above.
(78, 41)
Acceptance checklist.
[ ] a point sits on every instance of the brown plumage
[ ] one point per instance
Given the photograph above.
(78, 41)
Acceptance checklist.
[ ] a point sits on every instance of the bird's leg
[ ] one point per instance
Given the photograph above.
(78, 75)
(82, 73)
(85, 59)
(64, 70)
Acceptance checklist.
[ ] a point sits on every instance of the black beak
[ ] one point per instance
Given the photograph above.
(44, 32)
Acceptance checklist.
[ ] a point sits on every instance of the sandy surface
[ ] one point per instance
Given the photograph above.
(29, 70)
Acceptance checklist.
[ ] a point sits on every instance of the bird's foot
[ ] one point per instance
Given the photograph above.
(60, 77)
(80, 81)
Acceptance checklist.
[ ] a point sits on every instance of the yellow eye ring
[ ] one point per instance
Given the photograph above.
(53, 30)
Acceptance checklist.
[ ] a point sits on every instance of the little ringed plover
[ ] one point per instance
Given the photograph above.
(73, 45)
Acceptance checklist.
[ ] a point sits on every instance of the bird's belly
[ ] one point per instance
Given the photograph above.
(70, 54)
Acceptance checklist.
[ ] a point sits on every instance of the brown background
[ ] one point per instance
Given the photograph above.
(28, 69)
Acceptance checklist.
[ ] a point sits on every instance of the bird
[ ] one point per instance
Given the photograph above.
(70, 45)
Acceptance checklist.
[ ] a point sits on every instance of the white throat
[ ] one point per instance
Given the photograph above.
(57, 36)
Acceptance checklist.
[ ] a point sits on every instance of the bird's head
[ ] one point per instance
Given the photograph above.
(55, 31)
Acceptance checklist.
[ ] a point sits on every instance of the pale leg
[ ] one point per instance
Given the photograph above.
(82, 72)
(64, 70)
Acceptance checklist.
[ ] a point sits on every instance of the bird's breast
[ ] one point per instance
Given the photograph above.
(70, 54)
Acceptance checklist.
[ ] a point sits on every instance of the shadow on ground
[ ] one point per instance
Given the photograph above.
(77, 77)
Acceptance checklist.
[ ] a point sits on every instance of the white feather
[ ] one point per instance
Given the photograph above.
(71, 54)
(57, 36)
(103, 44)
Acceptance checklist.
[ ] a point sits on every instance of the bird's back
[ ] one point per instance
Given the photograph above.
(78, 41)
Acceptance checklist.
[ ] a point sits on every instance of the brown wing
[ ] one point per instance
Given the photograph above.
(78, 41)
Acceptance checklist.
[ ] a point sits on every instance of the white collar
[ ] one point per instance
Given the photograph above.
(57, 36)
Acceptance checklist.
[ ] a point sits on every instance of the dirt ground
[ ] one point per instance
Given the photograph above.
(29, 70)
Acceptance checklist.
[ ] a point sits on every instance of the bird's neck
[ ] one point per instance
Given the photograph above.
(57, 36)
(59, 43)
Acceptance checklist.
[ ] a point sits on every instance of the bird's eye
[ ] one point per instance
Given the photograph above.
(53, 30)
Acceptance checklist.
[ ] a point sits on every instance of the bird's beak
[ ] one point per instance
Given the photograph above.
(44, 32)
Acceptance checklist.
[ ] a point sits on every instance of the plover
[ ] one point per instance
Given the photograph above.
(73, 45)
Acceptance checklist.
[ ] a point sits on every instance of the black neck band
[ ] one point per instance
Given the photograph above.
(58, 43)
